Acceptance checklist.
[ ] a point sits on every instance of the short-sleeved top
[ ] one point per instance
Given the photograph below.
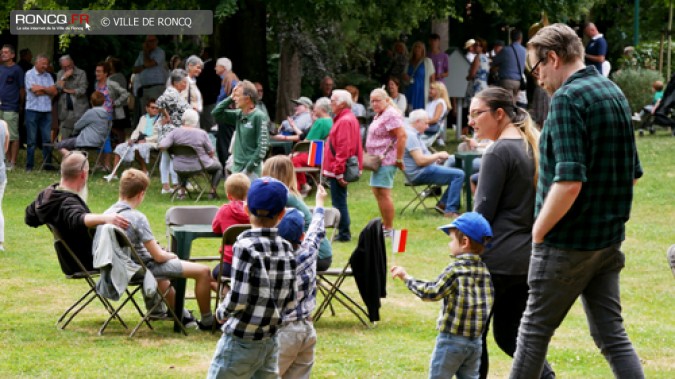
(11, 82)
(175, 105)
(154, 75)
(414, 142)
(588, 137)
(41, 103)
(440, 61)
(596, 46)
(379, 137)
(320, 129)
(195, 137)
(138, 232)
(511, 66)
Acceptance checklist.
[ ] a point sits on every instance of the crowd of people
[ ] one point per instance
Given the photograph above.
(536, 240)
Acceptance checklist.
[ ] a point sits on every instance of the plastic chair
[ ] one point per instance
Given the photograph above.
(229, 238)
(189, 214)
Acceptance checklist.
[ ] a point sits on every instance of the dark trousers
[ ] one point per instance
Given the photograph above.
(223, 139)
(511, 293)
(338, 195)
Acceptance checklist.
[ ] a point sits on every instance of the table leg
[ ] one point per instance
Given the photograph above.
(467, 164)
(182, 249)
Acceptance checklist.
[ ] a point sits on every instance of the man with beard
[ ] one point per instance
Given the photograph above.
(63, 205)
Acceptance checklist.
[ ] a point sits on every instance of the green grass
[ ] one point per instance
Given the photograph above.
(34, 294)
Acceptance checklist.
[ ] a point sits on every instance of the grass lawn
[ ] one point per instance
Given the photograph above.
(34, 293)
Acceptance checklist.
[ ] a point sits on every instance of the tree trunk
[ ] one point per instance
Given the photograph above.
(289, 79)
(442, 28)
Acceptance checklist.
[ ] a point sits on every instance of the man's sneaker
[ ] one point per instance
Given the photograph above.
(189, 321)
(204, 327)
(440, 209)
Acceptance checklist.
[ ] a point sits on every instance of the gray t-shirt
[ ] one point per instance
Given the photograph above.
(138, 231)
(414, 142)
(505, 197)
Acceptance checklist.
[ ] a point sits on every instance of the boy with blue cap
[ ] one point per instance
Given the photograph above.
(297, 336)
(467, 293)
(263, 289)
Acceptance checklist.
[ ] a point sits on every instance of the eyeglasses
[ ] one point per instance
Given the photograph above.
(534, 70)
(477, 112)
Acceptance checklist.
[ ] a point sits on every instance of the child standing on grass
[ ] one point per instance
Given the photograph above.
(467, 293)
(232, 213)
(263, 288)
(297, 336)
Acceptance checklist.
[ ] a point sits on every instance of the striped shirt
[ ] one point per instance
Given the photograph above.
(263, 285)
(588, 137)
(305, 272)
(467, 293)
(38, 103)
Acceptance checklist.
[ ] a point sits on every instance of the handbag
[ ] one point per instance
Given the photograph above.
(373, 162)
(352, 172)
(523, 80)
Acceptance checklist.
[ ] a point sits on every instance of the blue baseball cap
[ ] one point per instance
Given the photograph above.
(473, 225)
(291, 226)
(267, 197)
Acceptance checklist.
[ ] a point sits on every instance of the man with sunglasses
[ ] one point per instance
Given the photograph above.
(588, 166)
(64, 206)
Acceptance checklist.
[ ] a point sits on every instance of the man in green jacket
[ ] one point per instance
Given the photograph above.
(251, 132)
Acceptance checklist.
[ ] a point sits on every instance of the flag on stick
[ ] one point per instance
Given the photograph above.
(315, 157)
(399, 240)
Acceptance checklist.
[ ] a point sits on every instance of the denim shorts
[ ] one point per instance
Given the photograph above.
(384, 177)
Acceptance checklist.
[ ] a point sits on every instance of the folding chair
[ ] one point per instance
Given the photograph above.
(310, 172)
(229, 238)
(185, 177)
(62, 249)
(427, 191)
(332, 286)
(137, 284)
(99, 150)
(429, 139)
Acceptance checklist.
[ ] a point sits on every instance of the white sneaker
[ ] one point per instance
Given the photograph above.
(190, 187)
(110, 177)
(167, 191)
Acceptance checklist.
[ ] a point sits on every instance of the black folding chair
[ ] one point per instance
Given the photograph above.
(422, 192)
(185, 177)
(229, 238)
(62, 249)
(137, 285)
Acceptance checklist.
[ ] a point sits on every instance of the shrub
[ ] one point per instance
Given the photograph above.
(636, 84)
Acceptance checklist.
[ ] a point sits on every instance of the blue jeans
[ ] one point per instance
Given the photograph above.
(556, 278)
(238, 358)
(452, 177)
(38, 122)
(338, 195)
(455, 355)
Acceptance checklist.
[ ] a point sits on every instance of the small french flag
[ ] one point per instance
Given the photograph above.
(315, 154)
(399, 239)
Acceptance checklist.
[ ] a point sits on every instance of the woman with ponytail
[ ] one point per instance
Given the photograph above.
(505, 197)
(386, 138)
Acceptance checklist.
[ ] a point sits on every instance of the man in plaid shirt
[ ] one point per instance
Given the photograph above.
(467, 293)
(263, 288)
(588, 165)
(297, 336)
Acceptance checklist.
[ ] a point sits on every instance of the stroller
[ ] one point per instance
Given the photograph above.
(664, 114)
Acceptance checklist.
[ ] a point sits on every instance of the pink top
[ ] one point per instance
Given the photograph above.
(379, 137)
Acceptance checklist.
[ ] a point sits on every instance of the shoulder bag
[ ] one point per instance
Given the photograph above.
(373, 162)
(352, 172)
(523, 81)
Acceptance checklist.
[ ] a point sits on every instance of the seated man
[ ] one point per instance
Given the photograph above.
(63, 205)
(91, 129)
(423, 167)
(133, 185)
(301, 120)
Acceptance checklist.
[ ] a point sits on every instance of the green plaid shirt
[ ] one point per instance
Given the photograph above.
(588, 137)
(467, 293)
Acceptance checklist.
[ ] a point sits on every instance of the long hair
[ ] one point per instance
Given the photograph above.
(412, 52)
(280, 167)
(497, 97)
(442, 93)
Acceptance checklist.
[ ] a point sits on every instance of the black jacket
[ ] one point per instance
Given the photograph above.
(369, 265)
(64, 210)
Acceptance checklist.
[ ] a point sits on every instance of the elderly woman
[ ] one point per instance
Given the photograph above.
(191, 94)
(191, 135)
(393, 87)
(172, 106)
(142, 140)
(505, 196)
(386, 138)
(419, 73)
